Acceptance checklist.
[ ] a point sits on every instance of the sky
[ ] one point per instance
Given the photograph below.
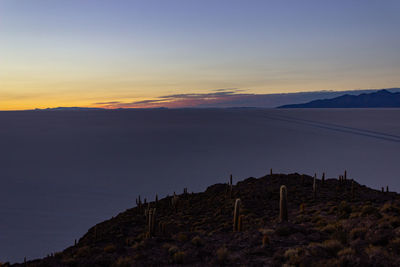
(120, 53)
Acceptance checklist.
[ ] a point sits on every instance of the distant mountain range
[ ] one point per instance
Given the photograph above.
(380, 99)
(68, 108)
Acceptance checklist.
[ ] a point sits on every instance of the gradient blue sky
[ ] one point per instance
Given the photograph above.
(83, 52)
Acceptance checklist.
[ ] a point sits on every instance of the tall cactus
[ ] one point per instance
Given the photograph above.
(139, 204)
(345, 175)
(270, 172)
(323, 178)
(283, 212)
(174, 202)
(315, 186)
(152, 222)
(236, 215)
(231, 187)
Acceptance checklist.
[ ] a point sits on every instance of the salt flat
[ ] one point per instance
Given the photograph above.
(61, 172)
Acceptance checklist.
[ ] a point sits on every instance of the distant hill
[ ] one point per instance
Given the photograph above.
(68, 109)
(379, 99)
(332, 226)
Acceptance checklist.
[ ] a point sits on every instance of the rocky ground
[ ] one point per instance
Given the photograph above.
(343, 224)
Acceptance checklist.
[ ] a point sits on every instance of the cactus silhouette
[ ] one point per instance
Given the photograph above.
(315, 186)
(152, 222)
(174, 202)
(236, 214)
(283, 212)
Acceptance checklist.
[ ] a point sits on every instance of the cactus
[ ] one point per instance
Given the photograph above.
(147, 214)
(270, 172)
(387, 189)
(152, 222)
(236, 215)
(174, 202)
(302, 207)
(283, 212)
(345, 175)
(139, 204)
(231, 187)
(75, 243)
(161, 228)
(315, 186)
(323, 178)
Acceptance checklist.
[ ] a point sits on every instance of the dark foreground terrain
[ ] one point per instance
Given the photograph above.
(344, 224)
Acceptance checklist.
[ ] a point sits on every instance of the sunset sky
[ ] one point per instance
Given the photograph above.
(121, 53)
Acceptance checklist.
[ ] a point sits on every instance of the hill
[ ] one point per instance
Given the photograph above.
(342, 224)
(379, 99)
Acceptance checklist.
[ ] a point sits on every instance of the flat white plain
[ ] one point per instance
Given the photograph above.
(63, 172)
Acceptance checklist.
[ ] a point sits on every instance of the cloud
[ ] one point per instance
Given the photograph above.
(229, 97)
(108, 103)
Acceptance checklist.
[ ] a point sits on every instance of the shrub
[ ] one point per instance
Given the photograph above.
(340, 235)
(332, 246)
(315, 249)
(358, 232)
(83, 251)
(346, 252)
(222, 255)
(265, 240)
(179, 257)
(172, 250)
(138, 245)
(197, 241)
(369, 210)
(109, 248)
(123, 262)
(329, 229)
(182, 237)
(294, 256)
(395, 245)
(344, 210)
(390, 207)
(394, 221)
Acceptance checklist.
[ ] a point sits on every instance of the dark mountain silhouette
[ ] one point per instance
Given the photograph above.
(69, 109)
(379, 99)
